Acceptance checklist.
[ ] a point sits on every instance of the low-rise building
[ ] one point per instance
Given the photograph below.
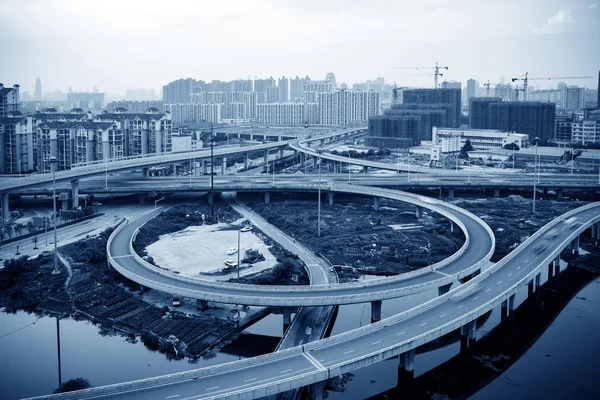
(453, 139)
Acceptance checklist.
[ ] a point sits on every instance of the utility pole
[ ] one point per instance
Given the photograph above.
(53, 162)
(319, 200)
(535, 178)
(212, 183)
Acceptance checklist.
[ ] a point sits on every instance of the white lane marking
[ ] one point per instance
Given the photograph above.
(461, 306)
(518, 267)
(475, 298)
(442, 273)
(314, 362)
(499, 282)
(509, 274)
(128, 255)
(488, 290)
(213, 388)
(250, 380)
(423, 324)
(285, 370)
(348, 352)
(442, 316)
(170, 397)
(374, 343)
(401, 333)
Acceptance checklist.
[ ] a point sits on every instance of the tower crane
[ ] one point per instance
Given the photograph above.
(395, 93)
(436, 72)
(525, 78)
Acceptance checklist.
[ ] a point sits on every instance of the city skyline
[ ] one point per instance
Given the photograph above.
(287, 39)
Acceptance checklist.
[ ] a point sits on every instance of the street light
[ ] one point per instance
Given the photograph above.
(239, 249)
(53, 162)
(212, 184)
(535, 178)
(273, 169)
(348, 166)
(320, 152)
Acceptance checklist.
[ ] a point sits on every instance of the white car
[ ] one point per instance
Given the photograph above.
(232, 250)
(176, 301)
(247, 228)
(231, 263)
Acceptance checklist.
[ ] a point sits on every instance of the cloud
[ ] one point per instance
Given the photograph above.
(572, 20)
(594, 5)
(562, 17)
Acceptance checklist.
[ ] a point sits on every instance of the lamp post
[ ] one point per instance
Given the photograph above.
(212, 184)
(238, 251)
(320, 152)
(348, 166)
(408, 164)
(273, 169)
(20, 161)
(53, 162)
(535, 177)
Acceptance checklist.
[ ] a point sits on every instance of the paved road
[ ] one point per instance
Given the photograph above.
(389, 337)
(479, 251)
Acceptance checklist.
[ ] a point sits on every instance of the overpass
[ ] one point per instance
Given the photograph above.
(398, 335)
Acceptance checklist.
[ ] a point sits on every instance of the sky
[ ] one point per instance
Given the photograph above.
(121, 44)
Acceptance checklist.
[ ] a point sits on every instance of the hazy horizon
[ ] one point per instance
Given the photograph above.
(116, 45)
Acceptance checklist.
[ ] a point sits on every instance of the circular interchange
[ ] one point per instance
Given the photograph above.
(476, 251)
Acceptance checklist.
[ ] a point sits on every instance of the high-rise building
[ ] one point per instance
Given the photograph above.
(140, 95)
(437, 96)
(284, 91)
(183, 113)
(17, 141)
(347, 107)
(586, 131)
(261, 85)
(297, 88)
(479, 112)
(330, 77)
(472, 87)
(280, 114)
(563, 128)
(37, 93)
(318, 86)
(86, 100)
(178, 91)
(533, 118)
(573, 98)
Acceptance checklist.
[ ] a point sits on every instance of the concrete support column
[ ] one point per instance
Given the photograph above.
(556, 264)
(223, 165)
(330, 196)
(550, 271)
(5, 209)
(450, 193)
(575, 246)
(468, 339)
(266, 157)
(533, 290)
(444, 289)
(174, 169)
(204, 169)
(451, 226)
(64, 204)
(594, 231)
(559, 193)
(141, 198)
(246, 160)
(375, 311)
(280, 150)
(419, 211)
(202, 304)
(315, 391)
(146, 172)
(365, 169)
(287, 318)
(267, 197)
(406, 372)
(89, 151)
(376, 203)
(75, 192)
(211, 198)
(496, 192)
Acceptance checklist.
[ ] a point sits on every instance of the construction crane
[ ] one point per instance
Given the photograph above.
(395, 93)
(436, 72)
(525, 78)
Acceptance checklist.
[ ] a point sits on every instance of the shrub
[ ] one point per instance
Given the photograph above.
(73, 384)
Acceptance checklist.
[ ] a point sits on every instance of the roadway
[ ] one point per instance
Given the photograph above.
(314, 362)
(473, 255)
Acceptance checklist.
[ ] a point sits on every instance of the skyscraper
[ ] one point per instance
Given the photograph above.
(472, 86)
(533, 118)
(37, 93)
(284, 89)
(479, 111)
(297, 88)
(437, 96)
(573, 98)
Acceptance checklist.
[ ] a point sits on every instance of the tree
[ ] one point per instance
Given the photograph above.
(8, 230)
(466, 147)
(35, 242)
(30, 226)
(511, 146)
(73, 384)
(18, 228)
(2, 234)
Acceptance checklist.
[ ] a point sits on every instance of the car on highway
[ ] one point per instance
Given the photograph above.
(231, 263)
(247, 228)
(569, 222)
(232, 250)
(539, 248)
(176, 301)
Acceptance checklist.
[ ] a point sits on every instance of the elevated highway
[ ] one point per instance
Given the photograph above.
(399, 335)
(468, 260)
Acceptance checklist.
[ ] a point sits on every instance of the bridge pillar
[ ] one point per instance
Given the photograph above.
(211, 198)
(5, 209)
(550, 271)
(376, 203)
(559, 193)
(496, 192)
(315, 391)
(365, 169)
(451, 193)
(575, 246)
(451, 226)
(223, 165)
(75, 192)
(444, 289)
(556, 263)
(533, 290)
(145, 172)
(507, 315)
(330, 196)
(174, 169)
(287, 318)
(406, 372)
(267, 157)
(202, 304)
(280, 150)
(468, 340)
(204, 171)
(267, 197)
(419, 211)
(246, 160)
(594, 231)
(141, 198)
(545, 191)
(375, 311)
